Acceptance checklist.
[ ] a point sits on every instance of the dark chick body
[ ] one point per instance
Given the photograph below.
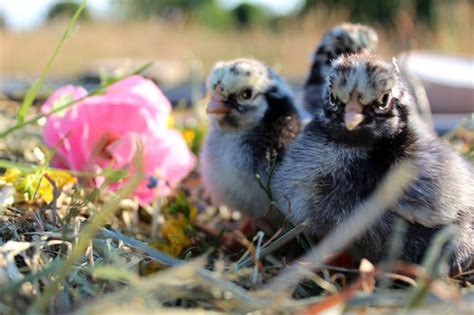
(338, 185)
(330, 170)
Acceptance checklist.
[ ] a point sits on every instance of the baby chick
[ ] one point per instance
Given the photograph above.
(253, 119)
(346, 38)
(365, 127)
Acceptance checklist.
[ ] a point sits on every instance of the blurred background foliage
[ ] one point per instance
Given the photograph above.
(252, 13)
(384, 13)
(209, 30)
(206, 12)
(247, 14)
(66, 10)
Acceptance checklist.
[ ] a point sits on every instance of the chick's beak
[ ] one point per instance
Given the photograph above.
(353, 112)
(217, 103)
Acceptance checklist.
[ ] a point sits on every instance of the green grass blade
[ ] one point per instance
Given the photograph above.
(27, 168)
(33, 90)
(21, 166)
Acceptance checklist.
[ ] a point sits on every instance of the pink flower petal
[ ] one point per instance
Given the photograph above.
(146, 91)
(104, 130)
(170, 156)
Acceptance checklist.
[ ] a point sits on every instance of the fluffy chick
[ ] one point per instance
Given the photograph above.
(365, 127)
(346, 38)
(252, 120)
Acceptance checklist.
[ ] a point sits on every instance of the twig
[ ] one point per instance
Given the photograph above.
(334, 299)
(380, 274)
(56, 193)
(396, 276)
(37, 218)
(262, 185)
(258, 250)
(279, 242)
(269, 178)
(155, 254)
(266, 186)
(37, 188)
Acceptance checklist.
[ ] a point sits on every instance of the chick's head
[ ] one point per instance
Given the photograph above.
(364, 100)
(240, 93)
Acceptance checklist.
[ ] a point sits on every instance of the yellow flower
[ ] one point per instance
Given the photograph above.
(10, 176)
(36, 183)
(189, 135)
(176, 231)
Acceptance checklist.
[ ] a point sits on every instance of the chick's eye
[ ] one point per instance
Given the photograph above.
(247, 94)
(333, 100)
(384, 104)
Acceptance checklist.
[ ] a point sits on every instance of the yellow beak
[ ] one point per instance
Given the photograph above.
(352, 119)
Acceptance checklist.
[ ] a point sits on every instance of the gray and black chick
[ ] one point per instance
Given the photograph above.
(252, 121)
(365, 127)
(346, 38)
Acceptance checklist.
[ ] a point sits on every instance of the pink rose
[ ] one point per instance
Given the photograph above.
(104, 130)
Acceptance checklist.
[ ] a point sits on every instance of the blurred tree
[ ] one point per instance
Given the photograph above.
(205, 12)
(364, 11)
(67, 10)
(153, 8)
(247, 15)
(140, 9)
(213, 15)
(379, 12)
(425, 11)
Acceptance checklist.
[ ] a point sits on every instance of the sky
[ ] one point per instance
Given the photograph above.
(23, 15)
(278, 7)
